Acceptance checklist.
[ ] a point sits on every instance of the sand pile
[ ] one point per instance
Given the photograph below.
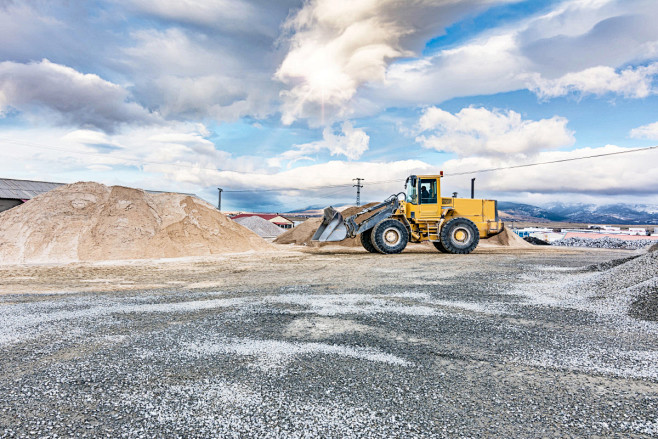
(91, 222)
(260, 226)
(302, 234)
(506, 238)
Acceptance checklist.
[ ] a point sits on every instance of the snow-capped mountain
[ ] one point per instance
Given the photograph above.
(582, 213)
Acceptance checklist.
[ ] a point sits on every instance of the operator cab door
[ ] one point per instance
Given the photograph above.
(428, 197)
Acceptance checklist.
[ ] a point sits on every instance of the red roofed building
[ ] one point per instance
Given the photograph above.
(271, 217)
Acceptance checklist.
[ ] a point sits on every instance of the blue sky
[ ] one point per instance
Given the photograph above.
(283, 103)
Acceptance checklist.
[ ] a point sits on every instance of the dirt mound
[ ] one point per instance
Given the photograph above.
(90, 222)
(506, 238)
(302, 234)
(260, 226)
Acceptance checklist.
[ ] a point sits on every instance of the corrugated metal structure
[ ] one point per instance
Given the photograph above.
(24, 189)
(15, 192)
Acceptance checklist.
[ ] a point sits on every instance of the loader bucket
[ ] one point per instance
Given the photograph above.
(332, 228)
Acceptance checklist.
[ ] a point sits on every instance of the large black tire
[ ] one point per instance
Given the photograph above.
(389, 236)
(439, 246)
(460, 236)
(366, 241)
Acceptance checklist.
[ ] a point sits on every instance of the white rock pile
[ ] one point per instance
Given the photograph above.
(606, 242)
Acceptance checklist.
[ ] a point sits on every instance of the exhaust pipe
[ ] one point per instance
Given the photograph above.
(472, 188)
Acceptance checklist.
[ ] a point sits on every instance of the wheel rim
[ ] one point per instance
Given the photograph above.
(461, 235)
(392, 236)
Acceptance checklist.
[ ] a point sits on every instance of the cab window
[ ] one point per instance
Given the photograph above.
(428, 191)
(412, 195)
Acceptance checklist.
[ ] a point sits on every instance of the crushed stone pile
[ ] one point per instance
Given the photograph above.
(260, 226)
(632, 284)
(606, 242)
(612, 290)
(302, 234)
(506, 238)
(90, 222)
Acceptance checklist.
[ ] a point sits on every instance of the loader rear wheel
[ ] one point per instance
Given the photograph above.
(366, 241)
(390, 236)
(439, 246)
(460, 236)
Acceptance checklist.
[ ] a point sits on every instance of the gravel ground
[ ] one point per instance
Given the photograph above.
(534, 344)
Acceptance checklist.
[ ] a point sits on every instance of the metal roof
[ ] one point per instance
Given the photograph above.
(28, 189)
(24, 189)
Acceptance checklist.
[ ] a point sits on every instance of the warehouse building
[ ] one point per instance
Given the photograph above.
(16, 192)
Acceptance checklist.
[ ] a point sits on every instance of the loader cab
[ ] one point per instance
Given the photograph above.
(422, 196)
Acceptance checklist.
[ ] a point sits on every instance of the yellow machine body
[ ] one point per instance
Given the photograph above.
(453, 225)
(425, 210)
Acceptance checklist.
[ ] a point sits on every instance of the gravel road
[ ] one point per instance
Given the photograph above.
(542, 343)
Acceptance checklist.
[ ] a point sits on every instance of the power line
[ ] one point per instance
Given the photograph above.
(552, 161)
(447, 175)
(182, 165)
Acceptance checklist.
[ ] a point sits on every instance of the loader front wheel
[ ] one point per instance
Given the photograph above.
(460, 236)
(389, 236)
(366, 241)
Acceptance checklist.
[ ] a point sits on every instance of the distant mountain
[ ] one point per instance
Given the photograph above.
(526, 212)
(318, 210)
(581, 213)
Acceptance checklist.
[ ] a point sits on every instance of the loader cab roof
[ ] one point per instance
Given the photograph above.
(414, 178)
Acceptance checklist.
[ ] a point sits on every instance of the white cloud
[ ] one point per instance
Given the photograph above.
(68, 96)
(352, 143)
(478, 131)
(336, 46)
(211, 12)
(582, 34)
(186, 75)
(628, 174)
(176, 156)
(226, 16)
(329, 174)
(575, 46)
(485, 66)
(649, 131)
(630, 82)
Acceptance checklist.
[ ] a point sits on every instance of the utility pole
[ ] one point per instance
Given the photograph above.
(358, 187)
(219, 202)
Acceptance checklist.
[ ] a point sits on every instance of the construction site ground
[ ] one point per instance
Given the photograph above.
(330, 342)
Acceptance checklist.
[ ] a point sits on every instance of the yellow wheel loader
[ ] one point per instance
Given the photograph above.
(453, 225)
